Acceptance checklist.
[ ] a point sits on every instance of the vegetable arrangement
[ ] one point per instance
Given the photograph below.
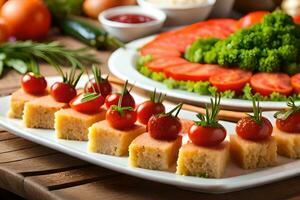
(258, 61)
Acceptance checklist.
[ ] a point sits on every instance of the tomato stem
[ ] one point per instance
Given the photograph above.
(284, 114)
(257, 112)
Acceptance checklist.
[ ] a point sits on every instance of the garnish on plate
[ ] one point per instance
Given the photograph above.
(33, 82)
(65, 91)
(120, 116)
(208, 131)
(149, 108)
(165, 126)
(289, 120)
(254, 127)
(99, 84)
(127, 99)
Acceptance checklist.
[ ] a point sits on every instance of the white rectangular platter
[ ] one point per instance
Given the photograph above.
(234, 179)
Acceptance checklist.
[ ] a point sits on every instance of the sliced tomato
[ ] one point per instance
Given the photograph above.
(231, 79)
(295, 81)
(192, 71)
(251, 19)
(266, 83)
(159, 64)
(158, 51)
(296, 19)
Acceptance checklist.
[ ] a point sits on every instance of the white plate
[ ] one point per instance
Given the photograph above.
(122, 63)
(235, 178)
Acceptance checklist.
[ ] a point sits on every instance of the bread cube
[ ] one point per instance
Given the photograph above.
(288, 144)
(107, 140)
(149, 153)
(208, 162)
(17, 103)
(253, 154)
(73, 125)
(39, 113)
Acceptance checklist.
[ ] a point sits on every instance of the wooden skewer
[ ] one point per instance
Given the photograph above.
(226, 115)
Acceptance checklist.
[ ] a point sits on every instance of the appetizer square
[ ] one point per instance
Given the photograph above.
(73, 125)
(17, 103)
(149, 153)
(39, 113)
(107, 140)
(209, 162)
(253, 154)
(288, 144)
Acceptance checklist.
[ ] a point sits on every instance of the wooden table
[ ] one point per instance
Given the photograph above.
(36, 172)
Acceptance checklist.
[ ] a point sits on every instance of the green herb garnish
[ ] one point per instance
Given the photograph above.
(89, 97)
(157, 99)
(292, 108)
(257, 112)
(210, 117)
(119, 107)
(24, 56)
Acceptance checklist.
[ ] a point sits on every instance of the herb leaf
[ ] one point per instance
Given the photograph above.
(17, 64)
(284, 114)
(89, 97)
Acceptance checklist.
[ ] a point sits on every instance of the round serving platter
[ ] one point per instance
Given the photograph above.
(122, 63)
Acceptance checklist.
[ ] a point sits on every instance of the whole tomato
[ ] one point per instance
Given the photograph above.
(29, 19)
(34, 84)
(120, 117)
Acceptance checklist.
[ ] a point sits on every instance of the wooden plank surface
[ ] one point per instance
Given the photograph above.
(36, 172)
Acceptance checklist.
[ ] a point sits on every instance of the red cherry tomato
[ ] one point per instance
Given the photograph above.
(251, 19)
(91, 106)
(231, 79)
(164, 127)
(118, 121)
(266, 83)
(295, 81)
(147, 109)
(248, 129)
(207, 136)
(291, 124)
(62, 92)
(34, 84)
(113, 99)
(297, 19)
(104, 87)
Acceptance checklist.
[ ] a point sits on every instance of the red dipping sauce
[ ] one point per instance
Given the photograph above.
(131, 18)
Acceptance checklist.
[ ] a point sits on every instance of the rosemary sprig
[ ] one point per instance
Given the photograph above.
(119, 107)
(292, 109)
(210, 117)
(24, 56)
(157, 99)
(257, 112)
(177, 108)
(89, 97)
(70, 78)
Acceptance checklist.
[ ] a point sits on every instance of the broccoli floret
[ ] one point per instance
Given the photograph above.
(270, 63)
(228, 58)
(248, 59)
(288, 53)
(211, 57)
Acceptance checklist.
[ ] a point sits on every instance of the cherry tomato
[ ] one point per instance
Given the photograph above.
(231, 79)
(28, 19)
(295, 81)
(104, 87)
(91, 106)
(113, 99)
(297, 19)
(118, 121)
(251, 19)
(62, 92)
(165, 127)
(266, 83)
(34, 84)
(147, 110)
(248, 129)
(207, 136)
(291, 124)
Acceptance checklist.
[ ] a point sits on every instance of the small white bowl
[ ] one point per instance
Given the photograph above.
(127, 32)
(182, 15)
